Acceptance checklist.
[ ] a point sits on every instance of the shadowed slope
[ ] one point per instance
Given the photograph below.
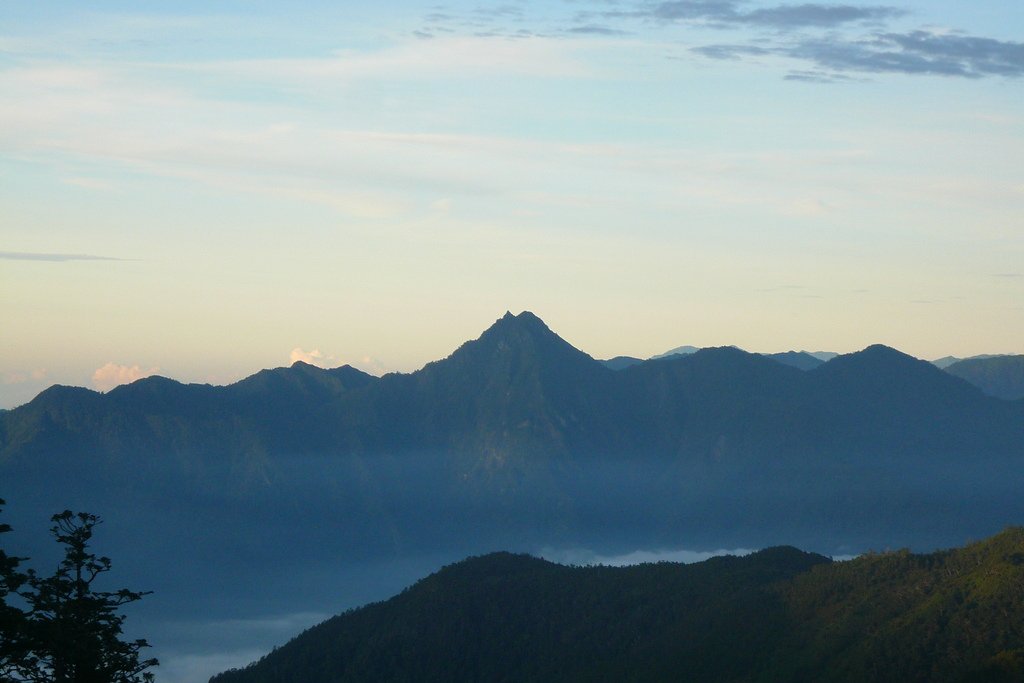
(999, 376)
(777, 615)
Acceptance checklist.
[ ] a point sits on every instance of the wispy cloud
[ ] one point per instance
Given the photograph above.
(779, 17)
(112, 374)
(89, 183)
(727, 51)
(53, 257)
(782, 288)
(597, 30)
(812, 76)
(814, 15)
(314, 357)
(916, 53)
(445, 56)
(834, 37)
(37, 375)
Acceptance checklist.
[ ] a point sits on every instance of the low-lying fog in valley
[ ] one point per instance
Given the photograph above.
(192, 649)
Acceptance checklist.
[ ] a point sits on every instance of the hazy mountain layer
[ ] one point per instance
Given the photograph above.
(946, 361)
(298, 477)
(999, 376)
(798, 359)
(517, 437)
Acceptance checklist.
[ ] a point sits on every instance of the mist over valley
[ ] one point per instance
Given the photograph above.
(305, 491)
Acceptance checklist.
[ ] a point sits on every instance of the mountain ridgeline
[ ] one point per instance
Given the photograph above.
(519, 440)
(999, 376)
(521, 387)
(776, 615)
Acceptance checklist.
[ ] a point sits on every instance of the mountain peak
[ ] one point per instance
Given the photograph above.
(515, 344)
(677, 351)
(61, 393)
(885, 360)
(882, 349)
(525, 319)
(518, 329)
(880, 377)
(797, 359)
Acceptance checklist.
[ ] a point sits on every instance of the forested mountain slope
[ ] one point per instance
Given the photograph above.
(777, 615)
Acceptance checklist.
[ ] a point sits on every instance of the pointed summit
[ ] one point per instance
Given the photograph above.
(526, 337)
(517, 385)
(524, 321)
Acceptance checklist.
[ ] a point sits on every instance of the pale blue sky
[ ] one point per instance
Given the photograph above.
(256, 181)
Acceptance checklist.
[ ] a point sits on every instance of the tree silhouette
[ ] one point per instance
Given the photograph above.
(70, 633)
(12, 619)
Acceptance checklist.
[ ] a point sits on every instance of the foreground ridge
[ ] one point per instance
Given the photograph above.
(776, 615)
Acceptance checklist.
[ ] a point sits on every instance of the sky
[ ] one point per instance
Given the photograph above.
(201, 190)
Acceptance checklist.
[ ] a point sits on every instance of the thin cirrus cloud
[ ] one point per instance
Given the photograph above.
(811, 76)
(733, 51)
(449, 56)
(798, 16)
(53, 257)
(779, 17)
(596, 30)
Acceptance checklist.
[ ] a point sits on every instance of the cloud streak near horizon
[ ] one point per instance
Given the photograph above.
(51, 257)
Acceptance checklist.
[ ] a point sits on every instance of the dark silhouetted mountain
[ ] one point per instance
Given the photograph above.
(60, 418)
(880, 398)
(999, 376)
(519, 436)
(621, 362)
(301, 381)
(519, 387)
(516, 440)
(715, 404)
(798, 359)
(776, 615)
